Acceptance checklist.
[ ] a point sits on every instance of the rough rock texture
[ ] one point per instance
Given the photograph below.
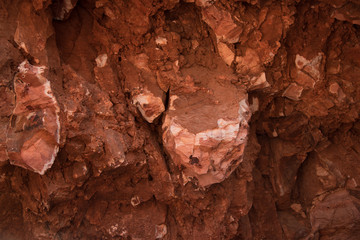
(179, 119)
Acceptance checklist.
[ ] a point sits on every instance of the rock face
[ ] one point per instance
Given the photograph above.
(191, 119)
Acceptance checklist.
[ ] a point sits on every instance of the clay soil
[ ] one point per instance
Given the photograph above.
(179, 119)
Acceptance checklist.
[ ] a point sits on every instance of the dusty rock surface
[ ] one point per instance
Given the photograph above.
(179, 119)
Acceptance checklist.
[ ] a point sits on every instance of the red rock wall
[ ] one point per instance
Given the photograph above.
(179, 119)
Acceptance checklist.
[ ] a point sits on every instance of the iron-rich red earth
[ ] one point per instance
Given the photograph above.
(179, 119)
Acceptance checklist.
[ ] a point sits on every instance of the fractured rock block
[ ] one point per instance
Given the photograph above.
(147, 96)
(205, 128)
(34, 132)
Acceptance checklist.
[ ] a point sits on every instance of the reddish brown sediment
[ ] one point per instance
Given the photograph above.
(179, 119)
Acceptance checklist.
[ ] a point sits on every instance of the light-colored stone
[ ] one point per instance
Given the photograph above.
(149, 105)
(202, 3)
(101, 60)
(161, 41)
(135, 200)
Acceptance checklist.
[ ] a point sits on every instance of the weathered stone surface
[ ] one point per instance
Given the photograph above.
(33, 136)
(209, 146)
(155, 141)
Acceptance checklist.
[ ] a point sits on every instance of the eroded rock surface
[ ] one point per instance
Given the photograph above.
(179, 119)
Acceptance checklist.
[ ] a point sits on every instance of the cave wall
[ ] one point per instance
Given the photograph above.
(179, 119)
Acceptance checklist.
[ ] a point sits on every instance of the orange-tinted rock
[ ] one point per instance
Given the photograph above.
(34, 132)
(122, 70)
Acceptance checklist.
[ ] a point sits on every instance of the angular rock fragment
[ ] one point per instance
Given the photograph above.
(222, 23)
(309, 67)
(147, 96)
(259, 82)
(149, 105)
(293, 92)
(160, 231)
(249, 63)
(205, 128)
(226, 53)
(34, 132)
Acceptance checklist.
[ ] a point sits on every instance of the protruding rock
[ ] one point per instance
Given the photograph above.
(293, 92)
(32, 35)
(208, 146)
(34, 132)
(144, 86)
(259, 82)
(161, 41)
(114, 148)
(101, 60)
(149, 105)
(336, 210)
(304, 80)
